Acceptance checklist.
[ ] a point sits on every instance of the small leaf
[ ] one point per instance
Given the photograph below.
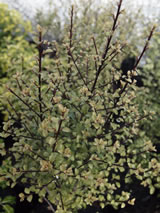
(39, 28)
(66, 129)
(26, 190)
(132, 202)
(102, 205)
(152, 190)
(8, 209)
(123, 205)
(29, 198)
(9, 199)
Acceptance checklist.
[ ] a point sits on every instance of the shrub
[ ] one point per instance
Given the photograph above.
(152, 84)
(13, 43)
(76, 133)
(151, 98)
(15, 51)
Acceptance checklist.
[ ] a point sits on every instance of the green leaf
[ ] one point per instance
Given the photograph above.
(123, 205)
(66, 129)
(9, 200)
(8, 209)
(29, 198)
(27, 190)
(152, 190)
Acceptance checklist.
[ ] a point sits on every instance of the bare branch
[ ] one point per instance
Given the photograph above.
(107, 47)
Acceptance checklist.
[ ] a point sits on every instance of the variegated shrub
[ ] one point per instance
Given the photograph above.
(76, 132)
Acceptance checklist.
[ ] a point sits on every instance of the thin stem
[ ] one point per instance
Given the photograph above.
(57, 134)
(145, 47)
(30, 171)
(116, 53)
(61, 199)
(40, 49)
(70, 42)
(20, 87)
(19, 118)
(141, 55)
(38, 155)
(87, 70)
(79, 72)
(71, 29)
(94, 42)
(59, 186)
(22, 136)
(31, 109)
(49, 204)
(107, 47)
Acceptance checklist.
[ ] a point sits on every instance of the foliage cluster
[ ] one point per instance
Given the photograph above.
(12, 40)
(152, 85)
(15, 53)
(6, 203)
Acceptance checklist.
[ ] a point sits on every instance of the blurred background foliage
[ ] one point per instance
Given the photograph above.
(14, 33)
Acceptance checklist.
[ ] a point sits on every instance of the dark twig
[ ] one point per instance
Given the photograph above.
(20, 87)
(40, 50)
(70, 42)
(141, 55)
(107, 47)
(115, 52)
(79, 72)
(19, 118)
(30, 171)
(49, 204)
(61, 199)
(22, 136)
(94, 42)
(57, 134)
(145, 47)
(23, 101)
(71, 29)
(37, 155)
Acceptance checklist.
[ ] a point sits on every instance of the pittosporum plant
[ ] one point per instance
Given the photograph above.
(75, 126)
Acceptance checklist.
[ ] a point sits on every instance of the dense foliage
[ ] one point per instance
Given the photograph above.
(15, 53)
(75, 124)
(152, 85)
(13, 42)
